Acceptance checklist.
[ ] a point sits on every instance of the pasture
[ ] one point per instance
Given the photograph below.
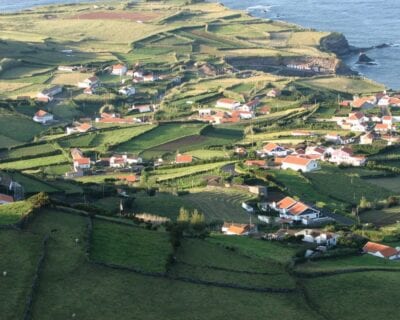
(12, 212)
(130, 246)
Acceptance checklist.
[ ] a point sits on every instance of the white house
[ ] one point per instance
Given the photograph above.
(120, 161)
(319, 237)
(119, 70)
(298, 163)
(205, 112)
(142, 108)
(355, 118)
(293, 210)
(43, 117)
(251, 105)
(387, 120)
(333, 137)
(367, 138)
(316, 152)
(228, 104)
(346, 156)
(127, 91)
(48, 94)
(81, 164)
(89, 82)
(273, 149)
(359, 127)
(381, 251)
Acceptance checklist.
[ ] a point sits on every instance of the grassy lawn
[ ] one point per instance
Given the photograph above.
(342, 84)
(254, 248)
(345, 185)
(12, 212)
(174, 173)
(347, 263)
(201, 255)
(358, 296)
(18, 257)
(220, 204)
(392, 183)
(130, 246)
(35, 150)
(32, 185)
(67, 276)
(34, 163)
(158, 136)
(381, 217)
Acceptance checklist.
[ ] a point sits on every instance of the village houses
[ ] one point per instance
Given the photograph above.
(238, 229)
(319, 237)
(274, 150)
(119, 70)
(226, 103)
(124, 160)
(47, 95)
(345, 156)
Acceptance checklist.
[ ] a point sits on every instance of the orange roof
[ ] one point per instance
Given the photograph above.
(118, 66)
(259, 163)
(387, 118)
(270, 147)
(301, 161)
(82, 161)
(356, 116)
(41, 113)
(131, 178)
(184, 158)
(227, 101)
(394, 100)
(298, 208)
(360, 102)
(84, 127)
(386, 251)
(6, 198)
(286, 203)
(382, 126)
(236, 229)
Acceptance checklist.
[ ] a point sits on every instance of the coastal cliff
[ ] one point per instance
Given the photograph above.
(337, 43)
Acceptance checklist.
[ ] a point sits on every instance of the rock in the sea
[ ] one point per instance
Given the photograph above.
(364, 59)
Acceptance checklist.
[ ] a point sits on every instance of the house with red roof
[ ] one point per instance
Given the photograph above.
(90, 82)
(296, 211)
(381, 251)
(43, 117)
(364, 103)
(183, 158)
(80, 162)
(299, 163)
(238, 229)
(256, 163)
(119, 69)
(274, 150)
(384, 128)
(226, 103)
(273, 93)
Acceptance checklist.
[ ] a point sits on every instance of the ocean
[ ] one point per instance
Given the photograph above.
(365, 23)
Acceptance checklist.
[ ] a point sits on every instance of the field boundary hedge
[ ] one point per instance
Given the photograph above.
(35, 281)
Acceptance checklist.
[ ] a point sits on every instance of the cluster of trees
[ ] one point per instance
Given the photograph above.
(192, 218)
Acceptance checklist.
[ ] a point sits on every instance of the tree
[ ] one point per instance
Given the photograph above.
(197, 218)
(184, 215)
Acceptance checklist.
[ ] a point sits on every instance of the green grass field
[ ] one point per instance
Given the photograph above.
(130, 246)
(31, 184)
(12, 212)
(158, 136)
(371, 295)
(34, 162)
(30, 151)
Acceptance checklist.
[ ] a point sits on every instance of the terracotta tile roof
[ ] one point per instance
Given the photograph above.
(388, 118)
(301, 161)
(286, 203)
(82, 161)
(118, 66)
(84, 127)
(298, 208)
(131, 178)
(382, 126)
(226, 101)
(184, 158)
(360, 102)
(374, 247)
(6, 198)
(270, 147)
(41, 113)
(259, 163)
